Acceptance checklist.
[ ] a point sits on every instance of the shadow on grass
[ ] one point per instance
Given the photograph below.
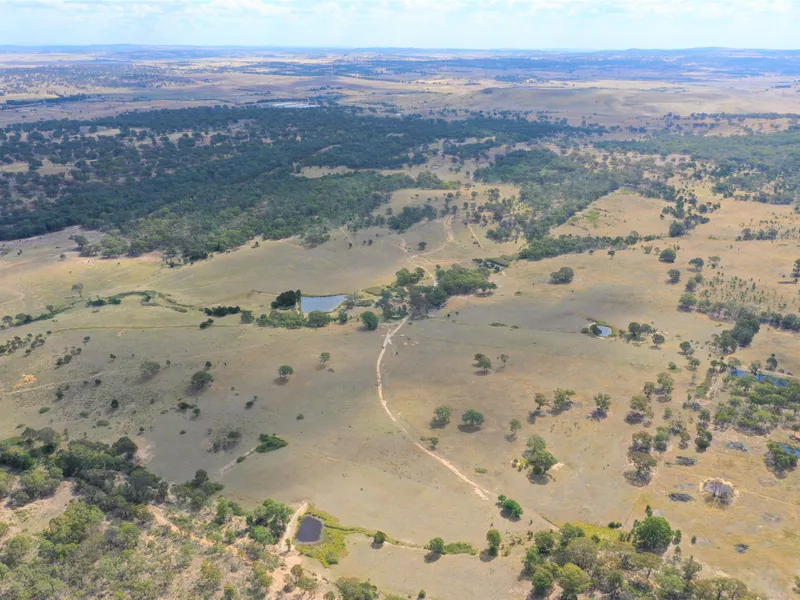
(465, 428)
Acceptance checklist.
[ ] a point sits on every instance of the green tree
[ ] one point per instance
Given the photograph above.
(484, 363)
(545, 541)
(697, 263)
(317, 319)
(658, 339)
(573, 581)
(542, 582)
(515, 425)
(284, 371)
(541, 401)
(668, 256)
(441, 416)
(562, 276)
(674, 275)
(201, 379)
(149, 368)
(562, 399)
(686, 348)
(654, 534)
(493, 539)
(602, 403)
(782, 456)
(379, 538)
(532, 559)
(512, 507)
(210, 575)
(325, 358)
(436, 545)
(472, 418)
(370, 320)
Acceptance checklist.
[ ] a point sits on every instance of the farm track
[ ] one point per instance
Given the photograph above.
(480, 492)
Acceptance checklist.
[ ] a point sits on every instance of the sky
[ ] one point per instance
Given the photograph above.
(475, 24)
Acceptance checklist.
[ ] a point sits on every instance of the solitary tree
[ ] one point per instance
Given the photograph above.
(284, 371)
(78, 287)
(201, 379)
(484, 363)
(674, 275)
(436, 545)
(441, 416)
(562, 399)
(541, 401)
(325, 358)
(472, 418)
(686, 348)
(658, 339)
(697, 263)
(493, 539)
(603, 403)
(668, 256)
(515, 425)
(149, 368)
(370, 320)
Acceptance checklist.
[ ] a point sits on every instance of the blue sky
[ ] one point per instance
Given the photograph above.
(530, 24)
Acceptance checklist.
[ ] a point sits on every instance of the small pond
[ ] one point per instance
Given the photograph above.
(790, 449)
(323, 303)
(310, 531)
(605, 331)
(762, 377)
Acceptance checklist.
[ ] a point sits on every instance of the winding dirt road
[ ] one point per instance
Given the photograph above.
(446, 463)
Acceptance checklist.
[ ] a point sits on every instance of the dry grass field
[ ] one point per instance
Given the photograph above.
(346, 456)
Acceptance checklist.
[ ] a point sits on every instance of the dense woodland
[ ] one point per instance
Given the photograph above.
(201, 180)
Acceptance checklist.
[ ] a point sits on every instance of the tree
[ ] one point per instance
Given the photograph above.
(370, 320)
(676, 229)
(668, 256)
(562, 399)
(317, 319)
(658, 339)
(325, 358)
(686, 348)
(484, 363)
(643, 462)
(284, 371)
(635, 329)
(641, 441)
(573, 581)
(545, 541)
(665, 382)
(541, 401)
(493, 539)
(441, 416)
(772, 363)
(674, 275)
(532, 559)
(654, 534)
(472, 418)
(149, 368)
(201, 379)
(541, 462)
(504, 359)
(603, 403)
(515, 425)
(422, 245)
(78, 287)
(697, 263)
(379, 538)
(512, 507)
(562, 276)
(436, 545)
(542, 582)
